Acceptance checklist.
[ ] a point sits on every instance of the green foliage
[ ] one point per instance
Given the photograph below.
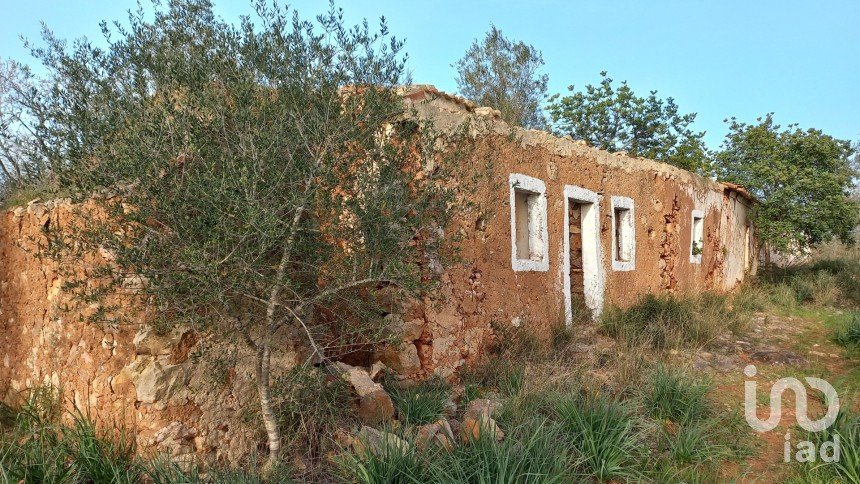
(667, 321)
(259, 178)
(802, 180)
(502, 373)
(616, 119)
(530, 454)
(847, 468)
(421, 403)
(849, 334)
(504, 75)
(393, 464)
(671, 394)
(602, 432)
(20, 164)
(822, 282)
(310, 406)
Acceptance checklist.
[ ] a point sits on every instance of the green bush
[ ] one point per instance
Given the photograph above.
(393, 464)
(673, 395)
(310, 407)
(847, 468)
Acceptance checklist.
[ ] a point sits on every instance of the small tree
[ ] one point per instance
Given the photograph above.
(803, 180)
(504, 75)
(258, 178)
(616, 119)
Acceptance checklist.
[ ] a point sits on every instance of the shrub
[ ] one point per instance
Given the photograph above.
(393, 464)
(310, 407)
(419, 404)
(602, 432)
(673, 395)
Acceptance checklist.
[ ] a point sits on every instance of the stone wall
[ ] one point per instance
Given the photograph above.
(124, 375)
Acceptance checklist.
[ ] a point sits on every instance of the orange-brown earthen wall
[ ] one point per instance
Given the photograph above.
(169, 390)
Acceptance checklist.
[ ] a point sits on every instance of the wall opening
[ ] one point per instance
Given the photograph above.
(697, 244)
(623, 234)
(529, 234)
(582, 271)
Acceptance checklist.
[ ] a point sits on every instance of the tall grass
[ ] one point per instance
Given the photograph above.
(38, 447)
(847, 468)
(848, 335)
(421, 403)
(603, 434)
(668, 321)
(672, 394)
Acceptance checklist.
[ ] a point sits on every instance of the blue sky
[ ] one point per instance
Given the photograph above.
(722, 58)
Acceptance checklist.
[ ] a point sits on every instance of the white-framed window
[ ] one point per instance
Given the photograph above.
(623, 234)
(529, 237)
(697, 236)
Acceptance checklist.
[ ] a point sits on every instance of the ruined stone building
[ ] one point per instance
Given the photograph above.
(561, 230)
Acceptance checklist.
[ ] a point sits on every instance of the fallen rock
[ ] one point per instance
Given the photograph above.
(403, 360)
(376, 408)
(476, 428)
(375, 405)
(436, 433)
(359, 378)
(482, 408)
(371, 442)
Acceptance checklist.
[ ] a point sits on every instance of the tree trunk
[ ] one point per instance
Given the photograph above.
(270, 421)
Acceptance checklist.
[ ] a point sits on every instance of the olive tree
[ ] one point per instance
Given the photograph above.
(504, 74)
(258, 178)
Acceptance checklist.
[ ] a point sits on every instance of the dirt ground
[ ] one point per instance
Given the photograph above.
(796, 344)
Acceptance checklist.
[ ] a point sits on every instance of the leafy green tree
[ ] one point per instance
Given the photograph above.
(802, 179)
(504, 75)
(616, 119)
(261, 181)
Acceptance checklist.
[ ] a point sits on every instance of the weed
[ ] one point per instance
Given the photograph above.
(311, 407)
(530, 454)
(602, 432)
(673, 395)
(667, 321)
(847, 467)
(849, 334)
(419, 404)
(507, 375)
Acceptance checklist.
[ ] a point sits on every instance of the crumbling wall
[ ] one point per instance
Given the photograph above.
(188, 392)
(664, 198)
(121, 375)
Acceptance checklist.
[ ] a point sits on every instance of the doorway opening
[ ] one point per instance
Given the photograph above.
(583, 281)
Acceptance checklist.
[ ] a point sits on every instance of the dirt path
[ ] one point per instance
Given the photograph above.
(779, 346)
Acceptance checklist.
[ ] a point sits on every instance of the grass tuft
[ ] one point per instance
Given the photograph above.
(673, 395)
(421, 403)
(602, 432)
